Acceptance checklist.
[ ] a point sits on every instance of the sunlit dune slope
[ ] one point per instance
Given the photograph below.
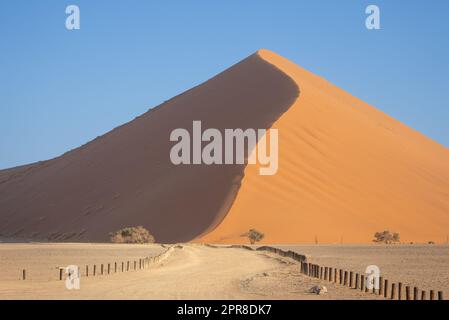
(346, 170)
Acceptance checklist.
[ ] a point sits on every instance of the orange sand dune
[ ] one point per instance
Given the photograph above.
(346, 170)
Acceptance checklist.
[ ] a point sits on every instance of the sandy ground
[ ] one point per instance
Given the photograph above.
(41, 260)
(424, 266)
(190, 272)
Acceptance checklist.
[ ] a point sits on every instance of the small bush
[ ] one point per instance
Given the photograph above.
(132, 235)
(253, 235)
(386, 237)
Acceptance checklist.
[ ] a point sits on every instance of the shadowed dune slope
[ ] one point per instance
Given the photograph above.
(125, 177)
(346, 170)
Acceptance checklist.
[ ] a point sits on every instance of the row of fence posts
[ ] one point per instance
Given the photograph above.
(358, 282)
(138, 265)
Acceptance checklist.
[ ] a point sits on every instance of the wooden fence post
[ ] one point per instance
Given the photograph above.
(356, 281)
(381, 286)
(340, 276)
(400, 291)
(393, 291)
(109, 268)
(87, 270)
(415, 293)
(351, 280)
(127, 266)
(407, 293)
(366, 284)
(135, 264)
(423, 295)
(330, 274)
(115, 267)
(24, 274)
(440, 295)
(345, 282)
(60, 273)
(362, 282)
(326, 270)
(101, 268)
(95, 269)
(335, 275)
(385, 288)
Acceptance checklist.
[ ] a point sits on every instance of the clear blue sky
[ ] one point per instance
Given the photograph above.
(60, 88)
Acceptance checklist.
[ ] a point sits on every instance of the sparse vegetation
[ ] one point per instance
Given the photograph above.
(132, 235)
(253, 235)
(386, 237)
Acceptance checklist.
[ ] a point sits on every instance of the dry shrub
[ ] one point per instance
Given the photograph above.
(132, 235)
(386, 237)
(253, 235)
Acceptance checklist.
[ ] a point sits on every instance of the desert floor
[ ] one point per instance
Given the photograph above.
(190, 272)
(421, 265)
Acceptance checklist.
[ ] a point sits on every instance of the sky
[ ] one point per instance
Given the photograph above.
(61, 88)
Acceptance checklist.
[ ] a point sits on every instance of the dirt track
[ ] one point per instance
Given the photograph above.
(191, 272)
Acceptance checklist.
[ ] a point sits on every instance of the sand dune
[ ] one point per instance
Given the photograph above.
(126, 178)
(346, 170)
